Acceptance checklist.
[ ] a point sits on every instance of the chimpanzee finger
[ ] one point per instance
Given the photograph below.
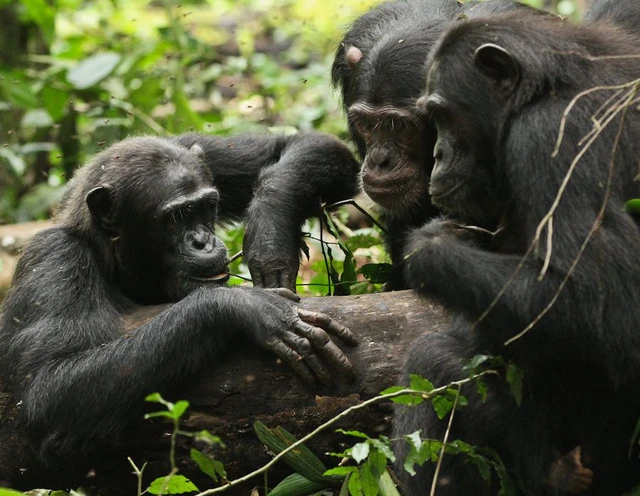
(325, 346)
(295, 361)
(256, 277)
(328, 324)
(285, 293)
(306, 351)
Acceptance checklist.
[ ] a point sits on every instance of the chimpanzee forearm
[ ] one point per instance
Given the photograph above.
(292, 172)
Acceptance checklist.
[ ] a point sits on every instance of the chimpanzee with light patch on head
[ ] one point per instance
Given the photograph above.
(137, 227)
(379, 70)
(497, 89)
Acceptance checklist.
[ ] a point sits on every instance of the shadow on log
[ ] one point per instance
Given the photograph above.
(248, 386)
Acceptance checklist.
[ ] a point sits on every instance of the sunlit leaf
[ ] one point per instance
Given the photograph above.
(92, 70)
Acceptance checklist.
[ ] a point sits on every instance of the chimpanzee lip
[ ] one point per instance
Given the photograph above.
(438, 194)
(222, 277)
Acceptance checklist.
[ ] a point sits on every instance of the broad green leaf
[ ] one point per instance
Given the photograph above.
(297, 485)
(55, 101)
(420, 383)
(383, 445)
(213, 468)
(355, 487)
(360, 451)
(92, 70)
(176, 484)
(442, 405)
(179, 408)
(301, 459)
(368, 480)
(386, 485)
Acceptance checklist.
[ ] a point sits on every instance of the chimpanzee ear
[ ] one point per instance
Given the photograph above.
(100, 203)
(498, 64)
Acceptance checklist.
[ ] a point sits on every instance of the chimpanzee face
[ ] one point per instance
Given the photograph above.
(468, 115)
(161, 221)
(394, 172)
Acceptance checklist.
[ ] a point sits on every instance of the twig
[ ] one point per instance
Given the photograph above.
(444, 444)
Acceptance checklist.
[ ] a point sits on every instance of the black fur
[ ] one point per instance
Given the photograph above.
(379, 92)
(498, 115)
(137, 228)
(622, 13)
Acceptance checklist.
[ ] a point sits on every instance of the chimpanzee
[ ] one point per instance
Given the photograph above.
(562, 265)
(622, 13)
(379, 70)
(136, 227)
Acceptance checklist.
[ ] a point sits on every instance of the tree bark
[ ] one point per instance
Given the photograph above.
(248, 386)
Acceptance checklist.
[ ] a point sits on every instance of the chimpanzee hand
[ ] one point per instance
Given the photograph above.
(441, 229)
(271, 249)
(299, 337)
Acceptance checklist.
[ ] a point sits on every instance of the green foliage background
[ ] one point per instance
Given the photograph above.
(77, 75)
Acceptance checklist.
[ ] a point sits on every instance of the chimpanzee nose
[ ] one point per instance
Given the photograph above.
(200, 240)
(379, 157)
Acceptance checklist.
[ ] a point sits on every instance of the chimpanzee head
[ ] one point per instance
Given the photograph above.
(149, 208)
(469, 113)
(393, 140)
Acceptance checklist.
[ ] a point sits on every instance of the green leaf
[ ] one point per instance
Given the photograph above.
(10, 492)
(175, 484)
(355, 487)
(633, 206)
(213, 468)
(206, 437)
(404, 399)
(386, 485)
(93, 69)
(368, 480)
(383, 445)
(442, 405)
(179, 408)
(377, 273)
(341, 471)
(297, 485)
(301, 459)
(55, 101)
(359, 434)
(475, 362)
(514, 377)
(419, 383)
(360, 451)
(155, 398)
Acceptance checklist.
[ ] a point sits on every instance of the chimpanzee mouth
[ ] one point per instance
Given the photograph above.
(219, 278)
(438, 195)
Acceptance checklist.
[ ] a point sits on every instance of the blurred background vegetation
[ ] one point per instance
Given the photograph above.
(77, 75)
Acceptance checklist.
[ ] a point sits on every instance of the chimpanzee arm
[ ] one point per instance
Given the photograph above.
(80, 380)
(277, 182)
(448, 264)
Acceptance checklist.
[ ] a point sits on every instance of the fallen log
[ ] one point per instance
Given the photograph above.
(251, 385)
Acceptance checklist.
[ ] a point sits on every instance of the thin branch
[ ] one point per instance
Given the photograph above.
(361, 210)
(444, 444)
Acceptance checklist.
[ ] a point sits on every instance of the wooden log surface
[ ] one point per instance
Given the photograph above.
(251, 385)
